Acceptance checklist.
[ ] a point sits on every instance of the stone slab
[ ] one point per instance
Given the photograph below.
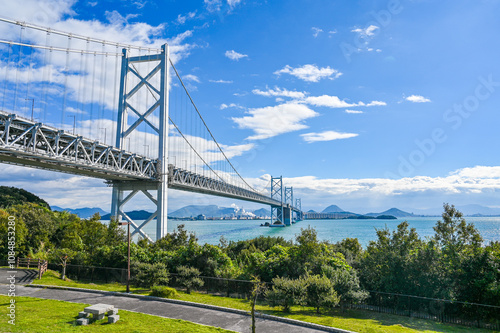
(98, 309)
(113, 319)
(83, 314)
(113, 312)
(82, 321)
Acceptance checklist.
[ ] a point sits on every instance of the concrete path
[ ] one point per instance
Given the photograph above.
(210, 317)
(23, 276)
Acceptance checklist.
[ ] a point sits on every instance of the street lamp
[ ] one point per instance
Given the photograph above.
(74, 123)
(32, 106)
(128, 253)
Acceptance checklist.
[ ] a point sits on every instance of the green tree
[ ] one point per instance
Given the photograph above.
(346, 285)
(453, 234)
(12, 196)
(39, 222)
(286, 293)
(21, 233)
(350, 248)
(62, 256)
(176, 239)
(387, 262)
(320, 292)
(257, 289)
(149, 275)
(189, 278)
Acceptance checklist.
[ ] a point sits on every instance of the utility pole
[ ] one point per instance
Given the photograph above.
(128, 253)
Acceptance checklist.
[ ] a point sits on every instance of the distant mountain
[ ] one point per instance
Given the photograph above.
(262, 212)
(333, 209)
(392, 212)
(311, 211)
(479, 210)
(134, 215)
(467, 210)
(83, 213)
(216, 211)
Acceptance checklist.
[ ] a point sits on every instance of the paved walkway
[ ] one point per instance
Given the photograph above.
(210, 317)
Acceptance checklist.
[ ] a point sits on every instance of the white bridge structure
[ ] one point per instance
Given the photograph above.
(82, 88)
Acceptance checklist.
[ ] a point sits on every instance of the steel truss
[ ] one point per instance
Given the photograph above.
(189, 181)
(25, 142)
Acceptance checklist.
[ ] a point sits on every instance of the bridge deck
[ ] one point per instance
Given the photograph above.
(27, 143)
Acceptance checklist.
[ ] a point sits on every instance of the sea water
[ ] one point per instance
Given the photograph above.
(210, 231)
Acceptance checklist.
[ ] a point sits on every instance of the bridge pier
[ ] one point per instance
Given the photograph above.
(287, 215)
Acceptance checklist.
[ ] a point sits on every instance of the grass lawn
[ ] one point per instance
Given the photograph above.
(40, 315)
(354, 320)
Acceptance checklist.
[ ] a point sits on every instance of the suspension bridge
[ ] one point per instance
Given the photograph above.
(118, 112)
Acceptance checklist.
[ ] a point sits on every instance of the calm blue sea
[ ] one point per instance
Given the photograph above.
(331, 230)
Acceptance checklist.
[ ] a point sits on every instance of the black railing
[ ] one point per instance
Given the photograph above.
(221, 286)
(446, 311)
(93, 273)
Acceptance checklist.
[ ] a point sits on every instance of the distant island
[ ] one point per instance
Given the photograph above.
(334, 212)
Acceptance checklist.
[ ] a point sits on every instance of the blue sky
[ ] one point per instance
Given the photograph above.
(363, 104)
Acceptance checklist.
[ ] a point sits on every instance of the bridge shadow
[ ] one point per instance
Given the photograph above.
(23, 276)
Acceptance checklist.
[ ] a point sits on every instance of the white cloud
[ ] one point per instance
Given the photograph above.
(326, 136)
(316, 31)
(270, 121)
(181, 19)
(417, 99)
(216, 5)
(478, 179)
(191, 77)
(367, 32)
(353, 111)
(310, 73)
(331, 33)
(220, 81)
(376, 103)
(328, 101)
(233, 55)
(233, 3)
(278, 92)
(232, 105)
(213, 5)
(75, 110)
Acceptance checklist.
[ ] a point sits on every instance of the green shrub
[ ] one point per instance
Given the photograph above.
(163, 291)
(320, 292)
(286, 293)
(189, 278)
(149, 275)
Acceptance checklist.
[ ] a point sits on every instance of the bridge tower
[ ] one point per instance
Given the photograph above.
(288, 212)
(277, 194)
(156, 83)
(298, 205)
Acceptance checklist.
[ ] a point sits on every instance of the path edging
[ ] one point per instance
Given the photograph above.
(199, 305)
